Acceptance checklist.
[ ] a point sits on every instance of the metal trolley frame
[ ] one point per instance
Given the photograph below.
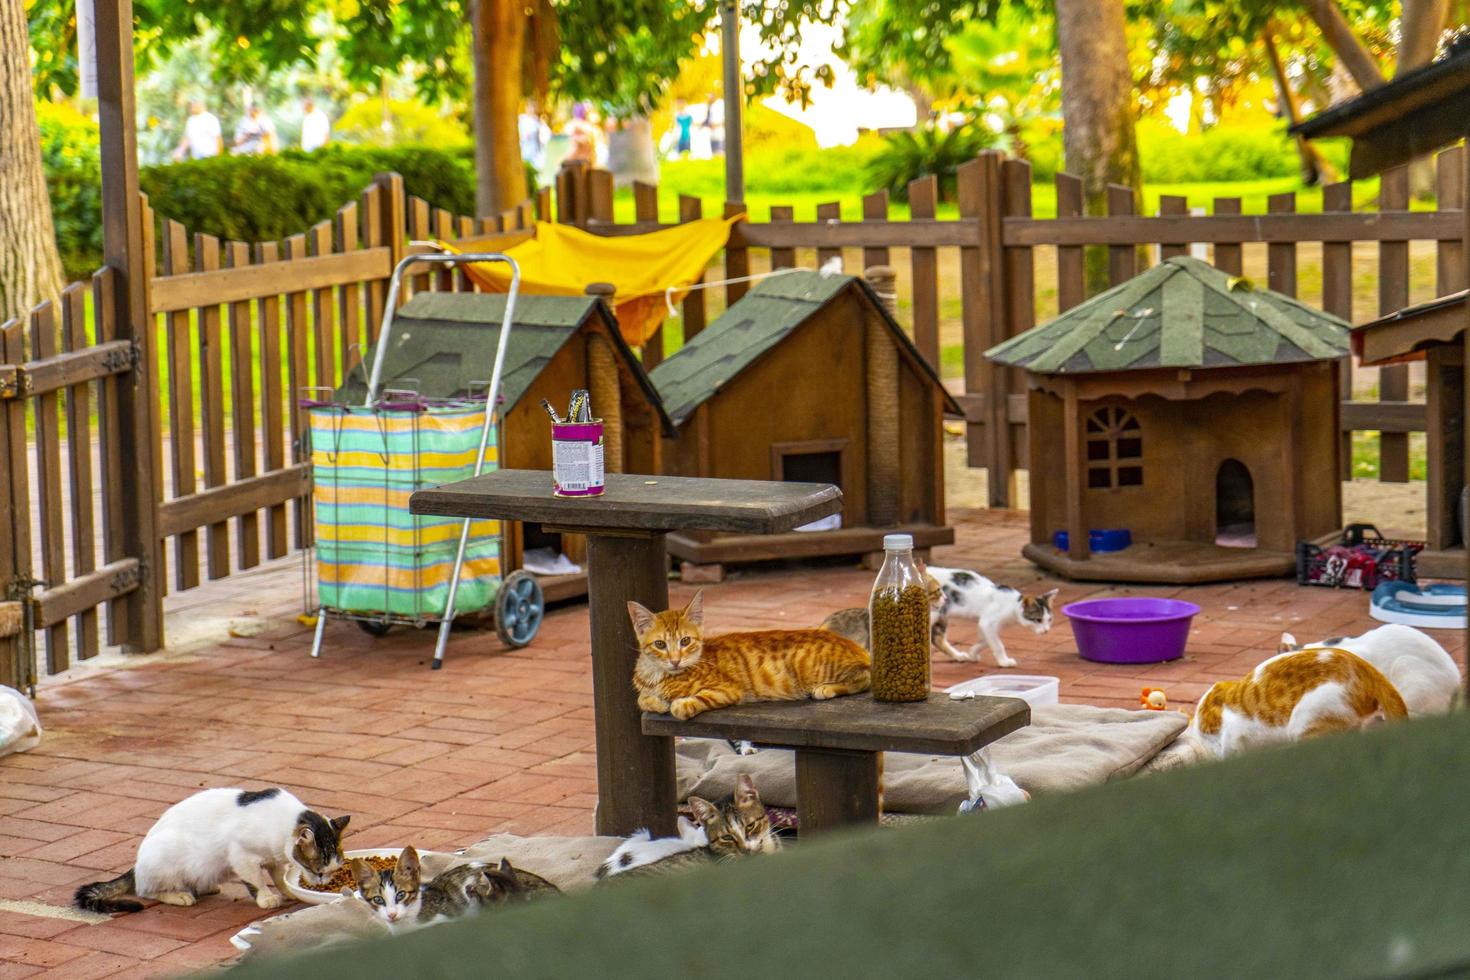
(519, 603)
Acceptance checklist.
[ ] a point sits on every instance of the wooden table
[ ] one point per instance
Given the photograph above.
(837, 742)
(626, 559)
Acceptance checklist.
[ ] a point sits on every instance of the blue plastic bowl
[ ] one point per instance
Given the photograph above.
(1098, 540)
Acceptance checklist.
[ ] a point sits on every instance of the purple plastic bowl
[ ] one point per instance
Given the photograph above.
(1131, 631)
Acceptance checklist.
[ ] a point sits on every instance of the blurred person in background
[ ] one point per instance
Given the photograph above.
(583, 136)
(202, 134)
(533, 134)
(316, 128)
(714, 114)
(256, 134)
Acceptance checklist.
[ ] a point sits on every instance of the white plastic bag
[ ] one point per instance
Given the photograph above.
(20, 726)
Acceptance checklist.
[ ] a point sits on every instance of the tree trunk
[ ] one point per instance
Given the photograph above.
(631, 154)
(1339, 37)
(1315, 170)
(1420, 25)
(1098, 104)
(30, 269)
(498, 38)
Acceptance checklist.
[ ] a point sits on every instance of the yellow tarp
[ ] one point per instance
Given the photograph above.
(562, 259)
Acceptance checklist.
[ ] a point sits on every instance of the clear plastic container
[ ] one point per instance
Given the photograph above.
(898, 618)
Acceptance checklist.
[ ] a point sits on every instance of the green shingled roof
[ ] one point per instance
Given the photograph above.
(443, 344)
(1182, 313)
(760, 320)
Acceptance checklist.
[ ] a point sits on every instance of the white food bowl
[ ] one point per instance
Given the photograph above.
(1035, 689)
(303, 893)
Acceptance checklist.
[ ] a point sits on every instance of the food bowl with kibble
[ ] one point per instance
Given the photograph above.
(1131, 630)
(331, 890)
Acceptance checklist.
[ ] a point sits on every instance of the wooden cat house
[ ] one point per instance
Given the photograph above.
(808, 378)
(443, 344)
(1434, 333)
(1194, 410)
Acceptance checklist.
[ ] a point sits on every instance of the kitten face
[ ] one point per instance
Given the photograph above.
(739, 827)
(317, 844)
(1036, 611)
(674, 638)
(392, 894)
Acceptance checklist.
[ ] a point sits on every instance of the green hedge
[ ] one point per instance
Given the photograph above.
(250, 198)
(246, 198)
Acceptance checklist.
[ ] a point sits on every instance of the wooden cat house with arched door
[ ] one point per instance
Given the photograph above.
(1194, 410)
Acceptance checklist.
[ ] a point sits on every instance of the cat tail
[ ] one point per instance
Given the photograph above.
(102, 896)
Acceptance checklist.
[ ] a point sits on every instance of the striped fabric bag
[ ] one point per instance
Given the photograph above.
(372, 555)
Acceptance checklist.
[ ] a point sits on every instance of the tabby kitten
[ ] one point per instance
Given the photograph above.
(395, 894)
(1294, 696)
(683, 673)
(853, 623)
(735, 828)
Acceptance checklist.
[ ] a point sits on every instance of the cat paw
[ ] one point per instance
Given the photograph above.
(269, 900)
(647, 702)
(175, 898)
(825, 692)
(686, 708)
(1005, 661)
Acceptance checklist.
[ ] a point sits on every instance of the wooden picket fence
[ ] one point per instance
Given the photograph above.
(245, 330)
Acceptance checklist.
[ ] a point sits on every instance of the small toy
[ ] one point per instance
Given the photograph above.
(1153, 699)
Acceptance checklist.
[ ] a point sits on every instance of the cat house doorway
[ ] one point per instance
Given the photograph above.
(1235, 506)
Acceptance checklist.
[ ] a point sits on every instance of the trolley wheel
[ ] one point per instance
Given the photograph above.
(519, 606)
(374, 627)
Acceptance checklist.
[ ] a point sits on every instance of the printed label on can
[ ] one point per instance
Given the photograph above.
(578, 464)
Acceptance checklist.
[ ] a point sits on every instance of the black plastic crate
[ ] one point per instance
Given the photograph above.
(1363, 559)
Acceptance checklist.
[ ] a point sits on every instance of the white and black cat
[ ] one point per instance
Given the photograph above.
(218, 835)
(970, 595)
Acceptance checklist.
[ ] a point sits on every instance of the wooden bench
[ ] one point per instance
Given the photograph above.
(837, 742)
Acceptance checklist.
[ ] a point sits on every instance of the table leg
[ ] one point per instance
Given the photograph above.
(835, 788)
(635, 772)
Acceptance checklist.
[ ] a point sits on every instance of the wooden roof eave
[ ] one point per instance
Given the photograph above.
(630, 360)
(1173, 384)
(1406, 335)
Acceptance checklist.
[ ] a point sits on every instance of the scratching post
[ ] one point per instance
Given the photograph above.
(884, 281)
(883, 428)
(602, 383)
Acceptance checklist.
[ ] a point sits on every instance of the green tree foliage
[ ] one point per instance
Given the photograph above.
(916, 153)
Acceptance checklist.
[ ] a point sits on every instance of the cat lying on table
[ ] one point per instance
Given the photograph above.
(683, 672)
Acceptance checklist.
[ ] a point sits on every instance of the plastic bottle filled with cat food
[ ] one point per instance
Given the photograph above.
(898, 614)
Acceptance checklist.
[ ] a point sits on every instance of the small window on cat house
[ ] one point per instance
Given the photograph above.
(1114, 442)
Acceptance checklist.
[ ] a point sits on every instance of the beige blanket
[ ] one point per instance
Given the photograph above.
(1066, 747)
(569, 863)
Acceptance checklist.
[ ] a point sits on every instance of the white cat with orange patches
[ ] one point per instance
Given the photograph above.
(1293, 696)
(1415, 664)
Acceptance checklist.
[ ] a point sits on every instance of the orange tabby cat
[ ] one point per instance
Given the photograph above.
(681, 672)
(1294, 696)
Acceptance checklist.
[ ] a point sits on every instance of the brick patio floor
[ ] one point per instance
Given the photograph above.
(498, 741)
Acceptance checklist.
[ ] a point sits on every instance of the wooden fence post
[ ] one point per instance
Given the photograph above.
(1393, 295)
(645, 208)
(1337, 299)
(124, 248)
(1018, 299)
(982, 310)
(692, 209)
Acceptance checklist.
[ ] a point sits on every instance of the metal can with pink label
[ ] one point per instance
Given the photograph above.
(577, 459)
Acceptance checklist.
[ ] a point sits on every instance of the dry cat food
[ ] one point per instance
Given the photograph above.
(342, 877)
(900, 628)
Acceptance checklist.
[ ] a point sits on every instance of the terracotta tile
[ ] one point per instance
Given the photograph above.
(39, 952)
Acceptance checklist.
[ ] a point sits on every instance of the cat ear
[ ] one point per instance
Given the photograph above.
(362, 872)
(1287, 645)
(694, 612)
(923, 568)
(704, 810)
(505, 866)
(745, 790)
(339, 824)
(641, 616)
(1047, 597)
(304, 834)
(408, 862)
